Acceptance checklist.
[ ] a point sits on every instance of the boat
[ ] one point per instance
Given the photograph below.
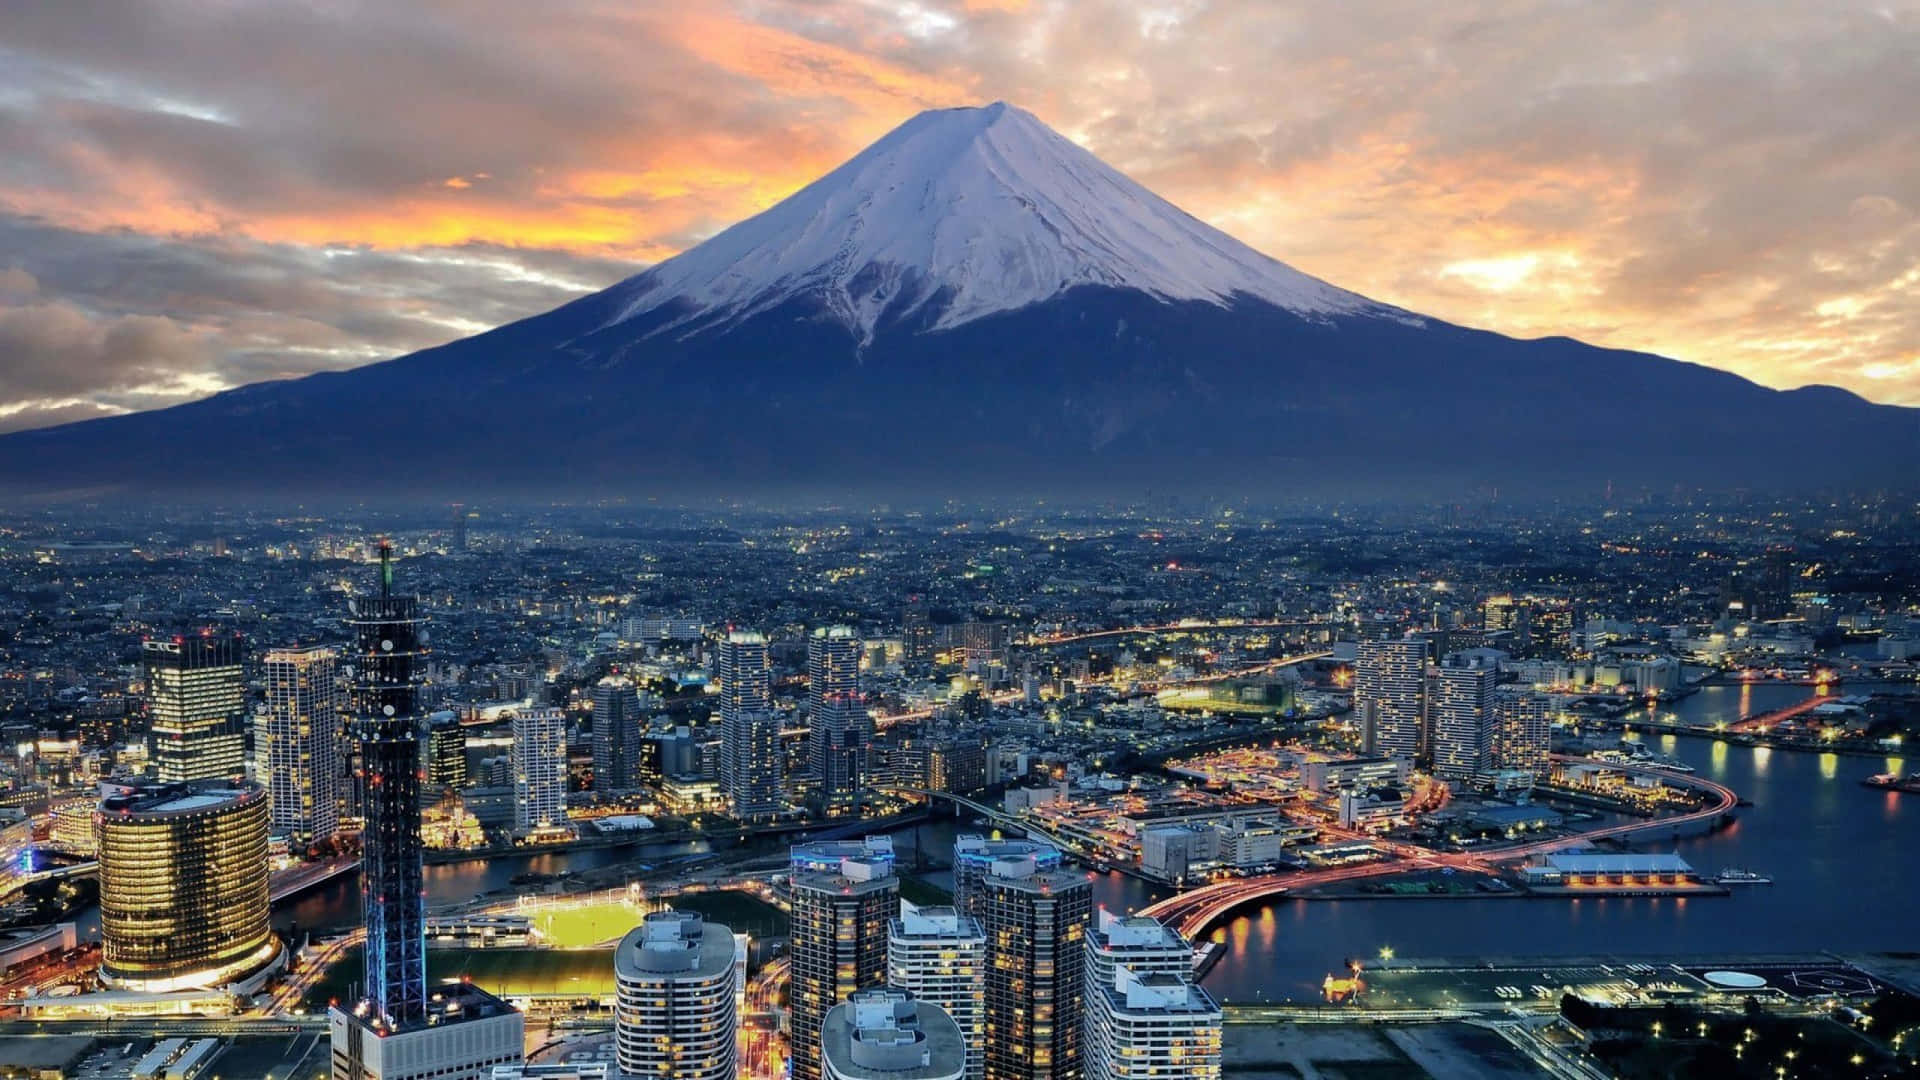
(1734, 875)
(1909, 783)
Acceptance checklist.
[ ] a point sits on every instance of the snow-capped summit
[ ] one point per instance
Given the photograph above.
(960, 213)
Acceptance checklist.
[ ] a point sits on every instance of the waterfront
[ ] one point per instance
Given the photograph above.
(1838, 853)
(1834, 848)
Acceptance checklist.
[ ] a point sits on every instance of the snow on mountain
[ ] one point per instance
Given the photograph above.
(974, 211)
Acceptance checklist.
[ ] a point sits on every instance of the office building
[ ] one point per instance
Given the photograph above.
(916, 636)
(183, 887)
(446, 751)
(400, 1030)
(885, 1034)
(1036, 925)
(940, 957)
(1463, 718)
(973, 859)
(751, 760)
(196, 706)
(1144, 1015)
(539, 770)
(617, 722)
(298, 742)
(1389, 697)
(844, 897)
(675, 1015)
(838, 729)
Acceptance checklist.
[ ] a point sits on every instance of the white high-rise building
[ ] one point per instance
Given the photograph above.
(539, 769)
(1389, 692)
(297, 743)
(1464, 720)
(676, 1014)
(1145, 1018)
(884, 1034)
(750, 755)
(940, 956)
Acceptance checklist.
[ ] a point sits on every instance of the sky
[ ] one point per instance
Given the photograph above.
(198, 194)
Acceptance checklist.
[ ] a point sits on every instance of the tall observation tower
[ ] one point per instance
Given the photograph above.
(460, 1030)
(388, 639)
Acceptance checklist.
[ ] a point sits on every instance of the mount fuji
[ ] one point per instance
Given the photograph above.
(974, 303)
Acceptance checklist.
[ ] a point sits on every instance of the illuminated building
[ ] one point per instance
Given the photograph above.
(400, 1030)
(675, 1016)
(839, 730)
(750, 756)
(916, 632)
(1144, 1015)
(1389, 696)
(298, 739)
(446, 751)
(16, 856)
(885, 1034)
(940, 957)
(1036, 923)
(1526, 734)
(844, 897)
(1463, 717)
(973, 859)
(183, 887)
(196, 706)
(539, 770)
(72, 828)
(616, 735)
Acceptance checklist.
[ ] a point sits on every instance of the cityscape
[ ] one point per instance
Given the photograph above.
(1018, 791)
(820, 540)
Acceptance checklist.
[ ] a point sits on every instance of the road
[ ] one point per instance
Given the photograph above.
(1195, 911)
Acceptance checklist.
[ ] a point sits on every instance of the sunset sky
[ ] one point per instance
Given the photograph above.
(199, 194)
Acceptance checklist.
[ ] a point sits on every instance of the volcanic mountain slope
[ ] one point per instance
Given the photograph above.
(975, 303)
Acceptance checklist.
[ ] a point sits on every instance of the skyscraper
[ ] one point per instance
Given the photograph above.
(916, 632)
(1036, 924)
(885, 1034)
(1526, 733)
(973, 859)
(299, 742)
(446, 751)
(675, 1015)
(844, 897)
(387, 647)
(1463, 717)
(940, 956)
(398, 1030)
(839, 731)
(1144, 1015)
(1389, 696)
(750, 759)
(196, 706)
(183, 887)
(616, 735)
(539, 769)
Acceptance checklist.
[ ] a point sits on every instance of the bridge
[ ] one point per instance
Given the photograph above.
(1195, 911)
(285, 884)
(1000, 818)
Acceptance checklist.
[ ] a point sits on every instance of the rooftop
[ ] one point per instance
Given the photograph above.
(670, 943)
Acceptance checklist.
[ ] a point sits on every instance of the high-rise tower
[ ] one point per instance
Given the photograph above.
(300, 737)
(398, 1030)
(196, 706)
(675, 1018)
(1463, 718)
(1389, 696)
(387, 646)
(839, 730)
(1036, 923)
(616, 735)
(750, 758)
(1145, 1018)
(844, 896)
(940, 956)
